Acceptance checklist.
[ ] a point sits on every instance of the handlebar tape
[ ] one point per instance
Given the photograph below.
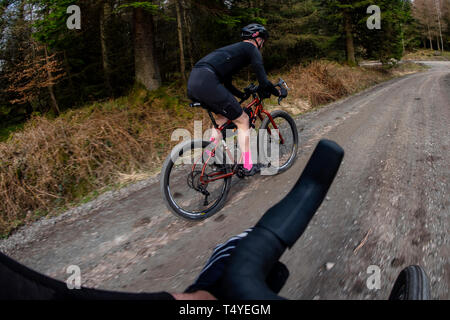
(280, 227)
(289, 218)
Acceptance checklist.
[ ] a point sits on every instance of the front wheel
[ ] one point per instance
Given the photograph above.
(183, 178)
(411, 284)
(278, 142)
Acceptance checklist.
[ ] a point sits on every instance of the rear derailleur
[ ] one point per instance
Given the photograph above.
(194, 183)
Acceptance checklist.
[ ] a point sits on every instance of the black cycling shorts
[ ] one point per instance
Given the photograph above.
(204, 86)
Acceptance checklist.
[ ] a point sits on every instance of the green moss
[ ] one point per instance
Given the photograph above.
(6, 132)
(40, 213)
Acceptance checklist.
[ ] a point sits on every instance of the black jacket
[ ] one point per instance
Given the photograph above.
(229, 60)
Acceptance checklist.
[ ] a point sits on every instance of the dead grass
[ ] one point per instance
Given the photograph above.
(323, 82)
(427, 55)
(53, 163)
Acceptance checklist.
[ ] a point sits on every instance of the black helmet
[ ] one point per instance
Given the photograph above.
(253, 31)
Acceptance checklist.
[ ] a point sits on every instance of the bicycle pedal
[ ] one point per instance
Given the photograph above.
(240, 173)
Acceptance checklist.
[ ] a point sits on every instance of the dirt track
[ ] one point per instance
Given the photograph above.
(393, 187)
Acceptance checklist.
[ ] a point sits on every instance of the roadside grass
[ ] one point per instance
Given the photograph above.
(428, 55)
(52, 165)
(323, 82)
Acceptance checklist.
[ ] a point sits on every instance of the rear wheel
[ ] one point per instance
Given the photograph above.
(411, 284)
(182, 181)
(278, 150)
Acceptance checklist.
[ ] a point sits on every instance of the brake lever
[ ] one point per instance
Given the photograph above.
(284, 84)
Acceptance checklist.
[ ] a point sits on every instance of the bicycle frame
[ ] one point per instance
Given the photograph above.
(259, 112)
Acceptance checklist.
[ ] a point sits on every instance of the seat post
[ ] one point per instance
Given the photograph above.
(213, 120)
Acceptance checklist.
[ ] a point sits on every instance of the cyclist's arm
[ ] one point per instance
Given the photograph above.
(258, 68)
(199, 295)
(234, 91)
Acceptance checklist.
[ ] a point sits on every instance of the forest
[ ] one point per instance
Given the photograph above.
(46, 68)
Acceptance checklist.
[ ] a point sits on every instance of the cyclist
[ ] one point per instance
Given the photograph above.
(210, 82)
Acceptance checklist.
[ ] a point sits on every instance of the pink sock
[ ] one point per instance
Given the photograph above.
(248, 164)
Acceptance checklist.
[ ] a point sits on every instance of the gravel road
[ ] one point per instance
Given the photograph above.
(389, 207)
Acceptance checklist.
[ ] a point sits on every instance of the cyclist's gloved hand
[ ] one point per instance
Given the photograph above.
(210, 276)
(283, 92)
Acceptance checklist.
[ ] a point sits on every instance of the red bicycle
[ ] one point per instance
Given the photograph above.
(196, 176)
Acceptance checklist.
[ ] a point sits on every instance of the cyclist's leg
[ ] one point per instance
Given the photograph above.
(244, 140)
(206, 87)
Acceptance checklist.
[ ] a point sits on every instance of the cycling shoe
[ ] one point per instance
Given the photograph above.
(249, 173)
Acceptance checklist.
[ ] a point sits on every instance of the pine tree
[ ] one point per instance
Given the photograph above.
(349, 13)
(388, 42)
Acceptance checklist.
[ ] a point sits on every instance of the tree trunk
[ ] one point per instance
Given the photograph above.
(146, 67)
(69, 74)
(105, 13)
(187, 21)
(403, 31)
(350, 47)
(429, 37)
(180, 40)
(53, 101)
(438, 12)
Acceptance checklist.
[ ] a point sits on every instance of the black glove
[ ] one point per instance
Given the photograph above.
(283, 92)
(210, 276)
